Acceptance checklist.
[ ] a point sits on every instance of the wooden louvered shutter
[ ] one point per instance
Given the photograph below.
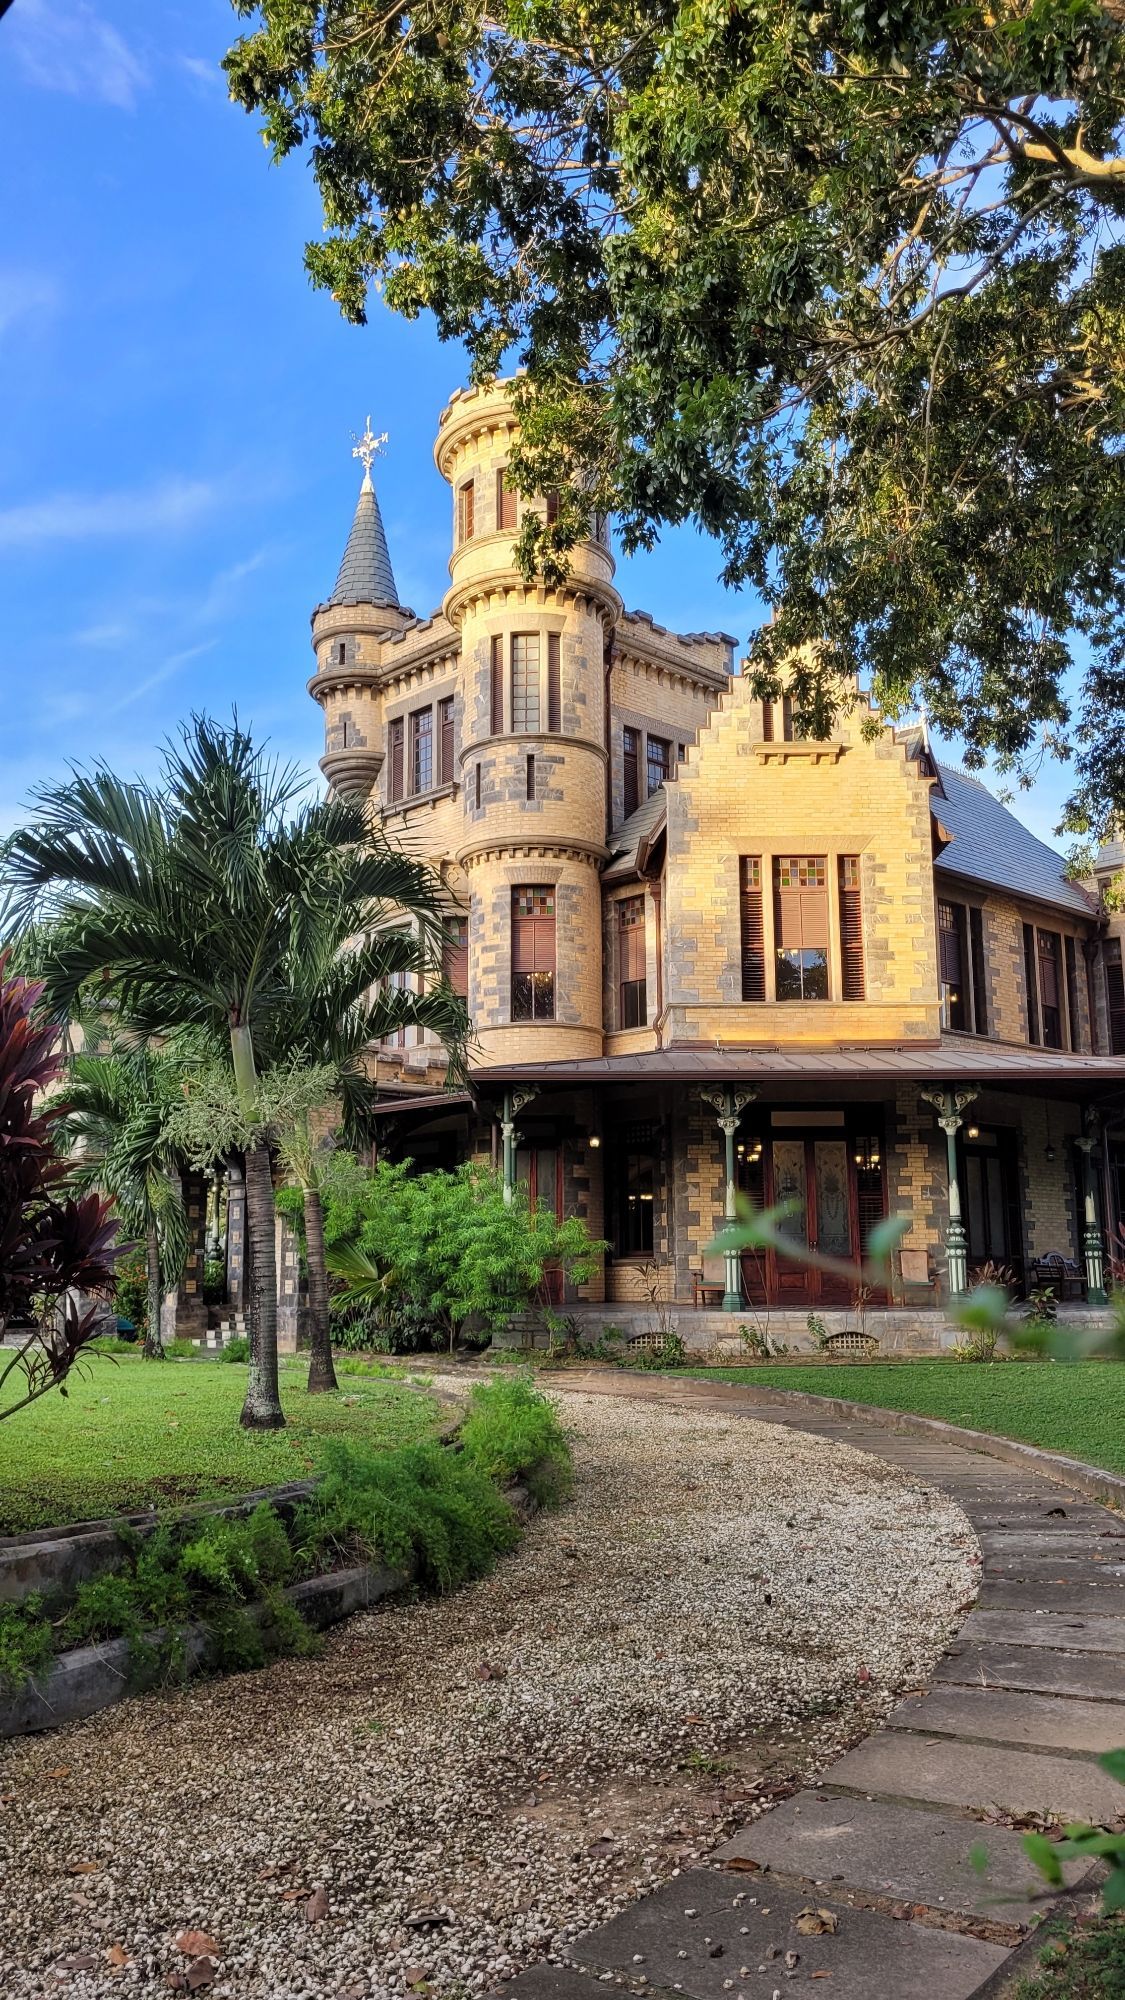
(554, 684)
(852, 984)
(629, 771)
(1031, 983)
(752, 926)
(456, 955)
(505, 503)
(395, 763)
(445, 741)
(1075, 1019)
(976, 956)
(496, 688)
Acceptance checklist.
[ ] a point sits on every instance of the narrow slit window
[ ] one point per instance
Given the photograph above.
(530, 778)
(445, 741)
(1031, 983)
(455, 955)
(506, 504)
(422, 750)
(554, 684)
(496, 686)
(630, 770)
(466, 512)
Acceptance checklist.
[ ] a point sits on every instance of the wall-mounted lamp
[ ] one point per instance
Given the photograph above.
(594, 1140)
(972, 1131)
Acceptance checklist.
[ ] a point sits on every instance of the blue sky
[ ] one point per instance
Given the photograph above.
(177, 409)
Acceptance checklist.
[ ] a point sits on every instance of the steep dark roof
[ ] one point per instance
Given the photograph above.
(366, 576)
(628, 844)
(988, 844)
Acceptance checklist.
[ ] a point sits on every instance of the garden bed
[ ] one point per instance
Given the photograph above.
(109, 1610)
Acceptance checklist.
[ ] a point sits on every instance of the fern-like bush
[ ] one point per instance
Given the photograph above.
(513, 1432)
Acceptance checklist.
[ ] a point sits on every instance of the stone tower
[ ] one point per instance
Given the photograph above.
(533, 753)
(350, 631)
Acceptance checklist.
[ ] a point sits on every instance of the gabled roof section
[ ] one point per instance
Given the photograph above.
(366, 576)
(989, 845)
(630, 845)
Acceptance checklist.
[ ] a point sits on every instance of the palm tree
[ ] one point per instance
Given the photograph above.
(342, 1001)
(117, 1104)
(197, 897)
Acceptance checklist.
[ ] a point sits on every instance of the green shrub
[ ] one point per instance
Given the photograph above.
(512, 1432)
(214, 1282)
(239, 1558)
(237, 1349)
(112, 1343)
(181, 1350)
(26, 1642)
(424, 1507)
(130, 1291)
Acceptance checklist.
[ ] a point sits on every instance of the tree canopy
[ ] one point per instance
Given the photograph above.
(845, 283)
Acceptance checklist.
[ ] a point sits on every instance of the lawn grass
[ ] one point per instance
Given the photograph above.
(131, 1434)
(1085, 1962)
(1075, 1407)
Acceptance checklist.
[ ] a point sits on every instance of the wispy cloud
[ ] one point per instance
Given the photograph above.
(25, 295)
(65, 45)
(167, 508)
(205, 73)
(160, 674)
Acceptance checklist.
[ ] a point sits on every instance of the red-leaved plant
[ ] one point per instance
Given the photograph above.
(56, 1250)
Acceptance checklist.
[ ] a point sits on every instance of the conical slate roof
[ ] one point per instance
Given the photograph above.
(366, 576)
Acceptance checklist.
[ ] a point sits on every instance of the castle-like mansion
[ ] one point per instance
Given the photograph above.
(702, 953)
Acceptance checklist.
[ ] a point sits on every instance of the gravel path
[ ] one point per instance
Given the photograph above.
(454, 1788)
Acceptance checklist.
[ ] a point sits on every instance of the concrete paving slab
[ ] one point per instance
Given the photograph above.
(908, 1853)
(1055, 1567)
(554, 1982)
(1068, 1633)
(1042, 1721)
(974, 1775)
(1090, 1596)
(1089, 1676)
(869, 1957)
(1023, 1520)
(1046, 1542)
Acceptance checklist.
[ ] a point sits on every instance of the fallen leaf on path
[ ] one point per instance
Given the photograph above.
(117, 1955)
(198, 1944)
(316, 1909)
(60, 1771)
(80, 1961)
(200, 1972)
(817, 1923)
(742, 1866)
(293, 1895)
(83, 1867)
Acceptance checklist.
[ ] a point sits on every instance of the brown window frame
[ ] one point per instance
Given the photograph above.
(455, 955)
(663, 764)
(466, 511)
(554, 684)
(507, 505)
(533, 952)
(526, 720)
(496, 685)
(802, 929)
(421, 751)
(632, 986)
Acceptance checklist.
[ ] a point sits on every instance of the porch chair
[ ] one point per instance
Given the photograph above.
(1058, 1273)
(709, 1284)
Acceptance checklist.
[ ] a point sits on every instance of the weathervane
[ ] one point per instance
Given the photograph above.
(366, 448)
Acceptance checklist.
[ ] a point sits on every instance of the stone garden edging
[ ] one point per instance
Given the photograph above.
(87, 1679)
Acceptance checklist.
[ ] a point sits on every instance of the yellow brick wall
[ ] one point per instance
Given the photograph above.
(740, 796)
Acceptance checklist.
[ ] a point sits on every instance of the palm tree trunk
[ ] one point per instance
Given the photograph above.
(262, 1408)
(154, 1346)
(322, 1375)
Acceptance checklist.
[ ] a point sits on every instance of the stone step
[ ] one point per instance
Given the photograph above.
(1068, 1632)
(1090, 1596)
(869, 1956)
(1042, 1721)
(978, 1776)
(907, 1853)
(1088, 1676)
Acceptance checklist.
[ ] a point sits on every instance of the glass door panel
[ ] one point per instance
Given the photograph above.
(830, 1174)
(791, 1185)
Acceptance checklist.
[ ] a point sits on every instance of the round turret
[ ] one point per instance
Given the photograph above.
(533, 758)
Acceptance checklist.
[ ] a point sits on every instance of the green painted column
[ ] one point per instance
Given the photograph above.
(514, 1101)
(950, 1105)
(1092, 1249)
(730, 1105)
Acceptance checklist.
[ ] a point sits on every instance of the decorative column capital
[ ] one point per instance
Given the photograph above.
(950, 1105)
(1086, 1144)
(729, 1104)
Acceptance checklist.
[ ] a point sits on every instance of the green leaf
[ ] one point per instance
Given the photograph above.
(1043, 1853)
(886, 1236)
